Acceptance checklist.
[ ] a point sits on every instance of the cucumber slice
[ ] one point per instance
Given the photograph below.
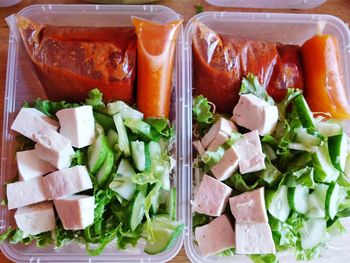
(122, 184)
(123, 139)
(140, 155)
(154, 149)
(112, 138)
(106, 169)
(305, 115)
(317, 201)
(313, 232)
(97, 153)
(124, 109)
(328, 129)
(298, 198)
(337, 146)
(166, 179)
(104, 120)
(302, 136)
(324, 169)
(278, 205)
(155, 203)
(170, 204)
(334, 196)
(165, 233)
(136, 211)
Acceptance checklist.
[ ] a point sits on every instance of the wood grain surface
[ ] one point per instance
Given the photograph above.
(340, 8)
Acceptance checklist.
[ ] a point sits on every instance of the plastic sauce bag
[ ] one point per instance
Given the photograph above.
(155, 62)
(220, 62)
(70, 61)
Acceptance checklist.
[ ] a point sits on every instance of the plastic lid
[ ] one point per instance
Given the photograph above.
(275, 4)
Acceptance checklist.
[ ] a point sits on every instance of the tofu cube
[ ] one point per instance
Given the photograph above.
(78, 125)
(215, 237)
(249, 207)
(30, 121)
(219, 140)
(254, 113)
(36, 219)
(252, 158)
(221, 125)
(199, 147)
(67, 182)
(24, 193)
(53, 148)
(227, 165)
(30, 166)
(254, 238)
(211, 197)
(76, 212)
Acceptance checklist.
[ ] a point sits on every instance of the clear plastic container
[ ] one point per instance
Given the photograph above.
(284, 28)
(273, 4)
(22, 85)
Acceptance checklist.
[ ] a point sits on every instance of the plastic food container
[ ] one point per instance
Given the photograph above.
(23, 85)
(273, 4)
(285, 28)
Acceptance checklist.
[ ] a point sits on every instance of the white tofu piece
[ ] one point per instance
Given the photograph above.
(254, 238)
(199, 147)
(53, 148)
(76, 212)
(227, 165)
(30, 166)
(67, 182)
(249, 207)
(221, 125)
(30, 121)
(78, 125)
(211, 197)
(254, 113)
(24, 193)
(36, 219)
(219, 140)
(252, 158)
(215, 237)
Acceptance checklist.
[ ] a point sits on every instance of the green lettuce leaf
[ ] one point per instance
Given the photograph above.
(250, 85)
(94, 99)
(211, 158)
(201, 110)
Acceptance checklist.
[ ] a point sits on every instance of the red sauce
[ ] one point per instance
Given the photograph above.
(220, 62)
(70, 61)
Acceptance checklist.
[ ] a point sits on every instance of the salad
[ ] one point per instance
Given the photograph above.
(269, 178)
(115, 184)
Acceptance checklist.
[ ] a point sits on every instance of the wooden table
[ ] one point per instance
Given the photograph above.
(340, 8)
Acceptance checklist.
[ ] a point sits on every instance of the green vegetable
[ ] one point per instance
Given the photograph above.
(267, 258)
(199, 8)
(201, 110)
(165, 232)
(250, 85)
(95, 99)
(123, 139)
(97, 153)
(211, 158)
